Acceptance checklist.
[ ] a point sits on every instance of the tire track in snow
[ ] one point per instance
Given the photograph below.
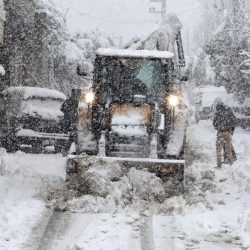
(146, 233)
(38, 231)
(55, 228)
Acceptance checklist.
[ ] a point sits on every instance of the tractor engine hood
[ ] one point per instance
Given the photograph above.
(130, 120)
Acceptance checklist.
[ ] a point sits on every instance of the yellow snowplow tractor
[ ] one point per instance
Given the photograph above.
(128, 114)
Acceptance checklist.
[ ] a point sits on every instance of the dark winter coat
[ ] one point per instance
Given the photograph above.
(69, 108)
(224, 119)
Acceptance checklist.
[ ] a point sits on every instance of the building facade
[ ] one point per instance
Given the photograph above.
(26, 44)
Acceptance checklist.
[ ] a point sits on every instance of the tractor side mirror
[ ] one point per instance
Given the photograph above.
(81, 71)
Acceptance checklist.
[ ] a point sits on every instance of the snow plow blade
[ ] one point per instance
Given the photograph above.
(164, 168)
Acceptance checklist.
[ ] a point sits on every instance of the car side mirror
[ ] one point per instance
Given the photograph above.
(184, 75)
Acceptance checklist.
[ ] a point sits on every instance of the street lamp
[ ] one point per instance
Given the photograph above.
(173, 101)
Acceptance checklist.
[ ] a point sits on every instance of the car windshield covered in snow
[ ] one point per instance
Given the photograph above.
(35, 102)
(127, 77)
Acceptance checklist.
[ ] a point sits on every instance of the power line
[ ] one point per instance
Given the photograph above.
(113, 21)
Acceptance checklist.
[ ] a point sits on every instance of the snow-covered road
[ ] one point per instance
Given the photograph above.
(24, 183)
(212, 214)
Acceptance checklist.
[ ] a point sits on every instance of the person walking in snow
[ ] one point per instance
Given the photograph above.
(70, 110)
(224, 122)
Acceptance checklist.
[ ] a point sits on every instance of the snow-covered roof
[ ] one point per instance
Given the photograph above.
(29, 92)
(134, 53)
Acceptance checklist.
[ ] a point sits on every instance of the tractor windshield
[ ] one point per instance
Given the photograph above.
(127, 77)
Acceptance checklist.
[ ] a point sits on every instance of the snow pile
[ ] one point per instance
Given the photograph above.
(105, 184)
(98, 178)
(175, 204)
(146, 186)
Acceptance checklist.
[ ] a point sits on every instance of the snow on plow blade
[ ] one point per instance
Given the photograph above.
(164, 168)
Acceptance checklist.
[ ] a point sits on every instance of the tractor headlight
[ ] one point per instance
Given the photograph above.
(89, 97)
(173, 100)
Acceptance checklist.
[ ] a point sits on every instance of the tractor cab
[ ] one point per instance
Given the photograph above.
(130, 101)
(126, 76)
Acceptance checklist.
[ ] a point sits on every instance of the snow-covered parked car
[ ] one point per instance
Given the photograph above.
(31, 116)
(241, 110)
(204, 100)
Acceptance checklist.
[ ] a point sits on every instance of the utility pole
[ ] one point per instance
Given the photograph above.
(235, 19)
(163, 7)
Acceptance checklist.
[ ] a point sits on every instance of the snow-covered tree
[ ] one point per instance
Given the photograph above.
(246, 63)
(67, 51)
(225, 49)
(215, 15)
(75, 50)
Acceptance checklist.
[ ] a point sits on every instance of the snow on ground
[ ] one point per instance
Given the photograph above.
(216, 213)
(24, 182)
(97, 231)
(213, 213)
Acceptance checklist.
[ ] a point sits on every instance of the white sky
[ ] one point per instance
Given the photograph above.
(126, 19)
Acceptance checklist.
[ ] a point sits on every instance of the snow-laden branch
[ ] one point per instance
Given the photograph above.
(243, 52)
(246, 62)
(2, 70)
